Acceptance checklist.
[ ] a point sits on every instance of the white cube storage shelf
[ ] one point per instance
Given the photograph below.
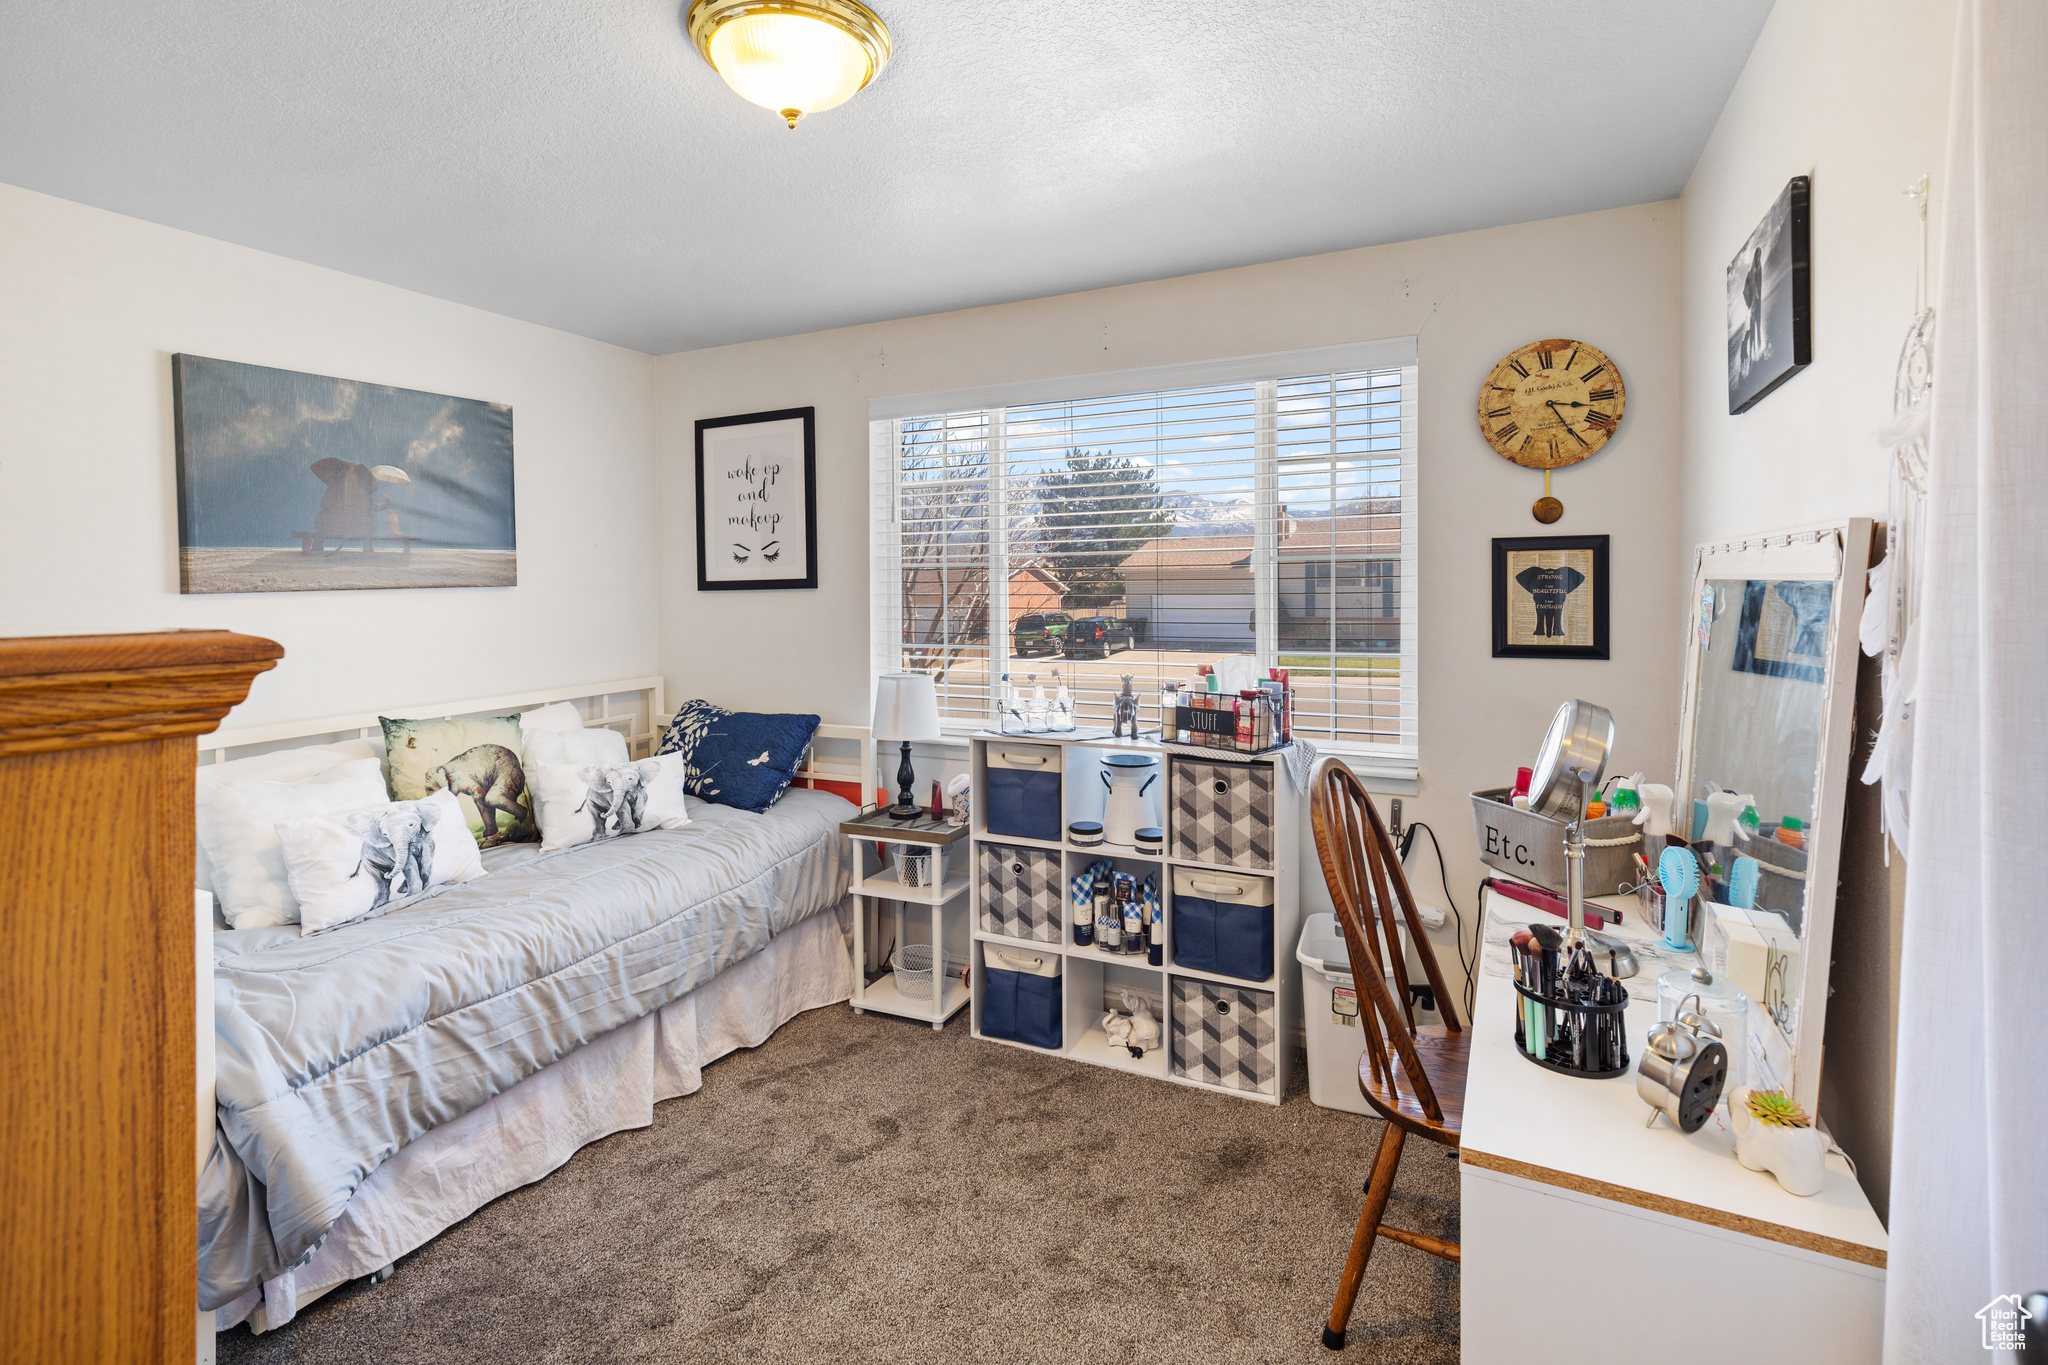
(1246, 1048)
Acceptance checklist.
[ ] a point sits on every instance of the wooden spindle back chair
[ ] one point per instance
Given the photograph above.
(1412, 1075)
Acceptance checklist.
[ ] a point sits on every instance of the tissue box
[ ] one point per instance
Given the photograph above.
(1759, 953)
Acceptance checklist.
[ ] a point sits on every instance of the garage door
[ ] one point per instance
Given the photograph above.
(1222, 618)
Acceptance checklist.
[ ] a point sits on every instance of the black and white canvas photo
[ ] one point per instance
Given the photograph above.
(291, 482)
(1770, 301)
(756, 505)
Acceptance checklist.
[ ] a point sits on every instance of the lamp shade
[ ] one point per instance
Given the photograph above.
(796, 57)
(906, 707)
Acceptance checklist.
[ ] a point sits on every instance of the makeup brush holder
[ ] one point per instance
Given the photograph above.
(1573, 1036)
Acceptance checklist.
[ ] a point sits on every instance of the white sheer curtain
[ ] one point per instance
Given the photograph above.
(1970, 1138)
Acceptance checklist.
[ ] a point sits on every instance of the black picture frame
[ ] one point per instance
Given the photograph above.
(773, 493)
(1510, 644)
(1770, 300)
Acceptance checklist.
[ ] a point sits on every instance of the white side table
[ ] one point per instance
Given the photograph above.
(946, 905)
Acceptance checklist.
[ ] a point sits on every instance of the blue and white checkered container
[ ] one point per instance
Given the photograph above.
(1154, 912)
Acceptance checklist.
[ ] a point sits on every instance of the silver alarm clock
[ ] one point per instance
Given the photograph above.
(1684, 1068)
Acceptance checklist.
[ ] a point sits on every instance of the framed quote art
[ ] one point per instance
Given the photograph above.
(757, 524)
(1550, 597)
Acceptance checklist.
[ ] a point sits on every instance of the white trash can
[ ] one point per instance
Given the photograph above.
(1329, 1008)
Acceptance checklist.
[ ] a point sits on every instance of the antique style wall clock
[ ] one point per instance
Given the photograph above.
(1551, 404)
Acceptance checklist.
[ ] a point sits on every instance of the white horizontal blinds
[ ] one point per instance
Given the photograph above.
(1138, 508)
(944, 538)
(1342, 447)
(1271, 517)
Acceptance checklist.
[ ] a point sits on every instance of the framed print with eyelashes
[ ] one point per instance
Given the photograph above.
(757, 524)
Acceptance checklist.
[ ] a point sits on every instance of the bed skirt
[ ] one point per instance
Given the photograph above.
(602, 1088)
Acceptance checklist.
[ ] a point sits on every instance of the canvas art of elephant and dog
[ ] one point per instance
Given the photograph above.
(475, 760)
(291, 482)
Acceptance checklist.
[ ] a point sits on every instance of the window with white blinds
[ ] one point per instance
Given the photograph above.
(1152, 530)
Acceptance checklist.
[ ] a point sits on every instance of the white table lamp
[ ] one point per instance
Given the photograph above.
(906, 708)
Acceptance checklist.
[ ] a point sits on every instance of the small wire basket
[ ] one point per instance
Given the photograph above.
(912, 964)
(919, 865)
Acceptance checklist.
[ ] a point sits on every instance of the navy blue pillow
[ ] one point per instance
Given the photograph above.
(737, 758)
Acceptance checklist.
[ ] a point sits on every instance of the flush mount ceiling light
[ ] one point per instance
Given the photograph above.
(796, 57)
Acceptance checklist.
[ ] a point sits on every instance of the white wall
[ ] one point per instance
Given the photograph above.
(93, 305)
(1609, 278)
(1855, 94)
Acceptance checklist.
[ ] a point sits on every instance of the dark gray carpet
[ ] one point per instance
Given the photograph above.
(865, 1189)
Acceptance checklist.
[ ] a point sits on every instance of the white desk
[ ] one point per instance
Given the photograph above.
(1658, 1246)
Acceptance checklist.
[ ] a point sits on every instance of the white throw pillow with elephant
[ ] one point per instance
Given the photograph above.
(370, 862)
(581, 803)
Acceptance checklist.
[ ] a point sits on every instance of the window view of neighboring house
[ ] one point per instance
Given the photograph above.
(1339, 580)
(1147, 534)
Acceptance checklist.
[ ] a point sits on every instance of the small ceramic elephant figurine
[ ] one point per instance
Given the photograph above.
(1117, 1028)
(1144, 1028)
(1796, 1155)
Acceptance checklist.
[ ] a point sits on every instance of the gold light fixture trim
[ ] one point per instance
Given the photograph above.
(795, 57)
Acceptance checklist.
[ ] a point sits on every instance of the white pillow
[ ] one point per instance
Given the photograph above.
(580, 747)
(279, 765)
(370, 862)
(561, 715)
(237, 826)
(579, 804)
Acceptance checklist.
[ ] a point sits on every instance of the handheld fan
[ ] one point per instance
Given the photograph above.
(1742, 884)
(1679, 874)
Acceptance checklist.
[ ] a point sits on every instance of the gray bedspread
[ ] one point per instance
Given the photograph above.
(335, 1050)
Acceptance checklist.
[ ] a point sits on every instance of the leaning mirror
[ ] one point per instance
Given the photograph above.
(1763, 772)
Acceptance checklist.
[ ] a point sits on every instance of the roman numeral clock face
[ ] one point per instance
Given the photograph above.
(1551, 403)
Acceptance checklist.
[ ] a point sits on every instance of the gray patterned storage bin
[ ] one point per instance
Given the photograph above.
(1223, 812)
(1022, 893)
(1225, 1035)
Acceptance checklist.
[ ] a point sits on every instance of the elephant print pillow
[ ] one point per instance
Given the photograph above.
(477, 760)
(369, 862)
(581, 803)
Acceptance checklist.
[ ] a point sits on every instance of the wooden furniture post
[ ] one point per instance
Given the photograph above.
(98, 1207)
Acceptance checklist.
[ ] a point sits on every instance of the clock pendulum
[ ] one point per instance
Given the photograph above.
(1550, 404)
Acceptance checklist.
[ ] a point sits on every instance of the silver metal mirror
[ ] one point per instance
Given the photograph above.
(1765, 736)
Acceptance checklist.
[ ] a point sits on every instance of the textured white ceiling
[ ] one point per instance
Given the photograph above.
(574, 162)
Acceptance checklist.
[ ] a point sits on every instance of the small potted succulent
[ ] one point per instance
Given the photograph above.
(1773, 1133)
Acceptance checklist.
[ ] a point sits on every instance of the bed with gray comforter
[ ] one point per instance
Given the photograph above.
(336, 1049)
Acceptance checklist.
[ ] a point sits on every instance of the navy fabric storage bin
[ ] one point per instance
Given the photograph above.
(1223, 923)
(1024, 791)
(1023, 1007)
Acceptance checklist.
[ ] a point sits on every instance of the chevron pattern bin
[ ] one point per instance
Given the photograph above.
(1225, 1035)
(1022, 893)
(1223, 812)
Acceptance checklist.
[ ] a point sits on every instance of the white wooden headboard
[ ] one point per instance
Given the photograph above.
(632, 706)
(841, 757)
